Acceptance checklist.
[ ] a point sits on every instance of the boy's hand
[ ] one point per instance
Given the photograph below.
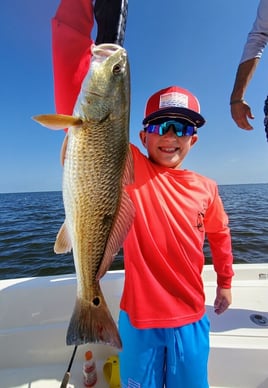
(223, 300)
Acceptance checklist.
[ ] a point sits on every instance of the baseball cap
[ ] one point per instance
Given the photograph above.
(173, 102)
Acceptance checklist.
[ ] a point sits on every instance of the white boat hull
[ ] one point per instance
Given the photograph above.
(35, 313)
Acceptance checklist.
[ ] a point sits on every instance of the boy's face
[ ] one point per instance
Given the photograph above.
(168, 150)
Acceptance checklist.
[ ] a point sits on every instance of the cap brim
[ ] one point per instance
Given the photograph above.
(176, 112)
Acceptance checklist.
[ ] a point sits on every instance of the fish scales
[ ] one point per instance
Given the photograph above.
(98, 211)
(92, 181)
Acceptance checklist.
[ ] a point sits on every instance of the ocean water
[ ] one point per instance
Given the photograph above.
(29, 223)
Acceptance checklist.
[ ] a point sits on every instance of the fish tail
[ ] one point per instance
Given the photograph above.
(92, 322)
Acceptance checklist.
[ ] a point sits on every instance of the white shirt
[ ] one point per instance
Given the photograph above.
(258, 36)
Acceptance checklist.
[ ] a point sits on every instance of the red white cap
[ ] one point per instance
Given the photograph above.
(173, 102)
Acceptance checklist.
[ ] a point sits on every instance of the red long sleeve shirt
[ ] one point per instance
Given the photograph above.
(163, 252)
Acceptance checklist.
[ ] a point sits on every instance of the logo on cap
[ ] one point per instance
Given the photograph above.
(173, 99)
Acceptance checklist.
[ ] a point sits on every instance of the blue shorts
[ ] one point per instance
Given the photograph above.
(173, 357)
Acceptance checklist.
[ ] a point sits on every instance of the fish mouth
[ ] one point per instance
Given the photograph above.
(105, 49)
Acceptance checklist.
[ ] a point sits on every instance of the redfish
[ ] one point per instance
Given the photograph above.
(97, 166)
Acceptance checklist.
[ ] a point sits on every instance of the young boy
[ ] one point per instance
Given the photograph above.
(163, 324)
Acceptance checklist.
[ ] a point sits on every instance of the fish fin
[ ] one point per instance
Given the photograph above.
(57, 121)
(92, 322)
(122, 223)
(128, 176)
(63, 242)
(118, 233)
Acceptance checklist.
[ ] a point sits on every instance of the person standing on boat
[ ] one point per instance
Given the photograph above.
(163, 323)
(252, 52)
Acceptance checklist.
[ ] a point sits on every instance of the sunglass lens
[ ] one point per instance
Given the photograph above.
(180, 129)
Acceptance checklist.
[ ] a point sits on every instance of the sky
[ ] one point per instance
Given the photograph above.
(196, 44)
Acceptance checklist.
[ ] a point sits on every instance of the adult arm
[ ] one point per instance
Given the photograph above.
(71, 42)
(252, 52)
(240, 110)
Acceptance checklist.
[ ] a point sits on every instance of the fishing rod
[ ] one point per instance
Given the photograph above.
(122, 23)
(67, 375)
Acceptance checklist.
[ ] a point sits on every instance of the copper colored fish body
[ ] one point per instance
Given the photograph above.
(97, 166)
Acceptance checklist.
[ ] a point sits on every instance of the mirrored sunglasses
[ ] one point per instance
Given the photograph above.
(180, 128)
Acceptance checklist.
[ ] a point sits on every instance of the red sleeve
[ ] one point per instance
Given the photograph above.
(71, 42)
(220, 242)
(221, 250)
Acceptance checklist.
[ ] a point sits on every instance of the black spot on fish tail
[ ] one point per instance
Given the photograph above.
(96, 301)
(92, 322)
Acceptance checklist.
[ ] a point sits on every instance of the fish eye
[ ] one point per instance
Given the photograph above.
(117, 68)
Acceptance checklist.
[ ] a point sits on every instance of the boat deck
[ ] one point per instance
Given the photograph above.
(34, 315)
(48, 376)
(239, 337)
